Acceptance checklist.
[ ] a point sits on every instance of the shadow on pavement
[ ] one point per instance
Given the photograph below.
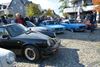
(64, 58)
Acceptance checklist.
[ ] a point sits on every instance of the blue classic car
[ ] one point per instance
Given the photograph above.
(73, 26)
(53, 25)
(40, 29)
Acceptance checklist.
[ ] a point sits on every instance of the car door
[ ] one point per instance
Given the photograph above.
(8, 43)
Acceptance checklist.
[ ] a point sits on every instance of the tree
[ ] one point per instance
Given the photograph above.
(84, 3)
(49, 12)
(65, 15)
(64, 4)
(10, 15)
(32, 10)
(74, 2)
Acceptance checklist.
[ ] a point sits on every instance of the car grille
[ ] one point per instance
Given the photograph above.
(82, 27)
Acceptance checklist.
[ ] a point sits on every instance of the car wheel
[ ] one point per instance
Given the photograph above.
(31, 53)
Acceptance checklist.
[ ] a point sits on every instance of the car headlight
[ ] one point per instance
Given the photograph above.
(51, 42)
(48, 42)
(10, 58)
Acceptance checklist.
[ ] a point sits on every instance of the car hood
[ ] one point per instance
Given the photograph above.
(74, 24)
(4, 52)
(55, 26)
(33, 35)
(37, 28)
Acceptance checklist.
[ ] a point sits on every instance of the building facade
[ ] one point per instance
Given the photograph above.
(82, 6)
(13, 7)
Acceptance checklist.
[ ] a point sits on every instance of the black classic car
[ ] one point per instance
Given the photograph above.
(32, 45)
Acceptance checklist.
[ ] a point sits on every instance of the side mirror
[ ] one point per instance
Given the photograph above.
(5, 36)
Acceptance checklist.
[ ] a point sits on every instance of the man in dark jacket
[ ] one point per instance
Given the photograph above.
(92, 21)
(3, 20)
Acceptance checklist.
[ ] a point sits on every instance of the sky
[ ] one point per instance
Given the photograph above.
(4, 1)
(45, 4)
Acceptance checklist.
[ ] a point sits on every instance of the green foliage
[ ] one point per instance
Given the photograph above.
(49, 12)
(74, 2)
(84, 3)
(10, 15)
(65, 15)
(61, 0)
(64, 4)
(32, 10)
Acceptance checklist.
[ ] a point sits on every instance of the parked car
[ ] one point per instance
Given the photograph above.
(7, 58)
(69, 21)
(43, 30)
(31, 44)
(52, 25)
(73, 26)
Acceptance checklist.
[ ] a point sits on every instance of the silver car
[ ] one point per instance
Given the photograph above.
(7, 58)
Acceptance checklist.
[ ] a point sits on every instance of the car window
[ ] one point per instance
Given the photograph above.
(51, 22)
(30, 24)
(3, 31)
(43, 23)
(16, 30)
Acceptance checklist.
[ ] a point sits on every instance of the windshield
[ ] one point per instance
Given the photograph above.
(69, 21)
(51, 22)
(16, 29)
(30, 24)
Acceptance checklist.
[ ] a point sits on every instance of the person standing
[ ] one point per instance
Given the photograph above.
(93, 21)
(4, 20)
(19, 19)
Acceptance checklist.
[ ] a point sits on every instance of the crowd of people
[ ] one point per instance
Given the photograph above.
(20, 19)
(89, 20)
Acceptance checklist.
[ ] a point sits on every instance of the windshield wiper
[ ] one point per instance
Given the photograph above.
(30, 31)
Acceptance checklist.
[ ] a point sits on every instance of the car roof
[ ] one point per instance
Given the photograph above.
(66, 20)
(47, 20)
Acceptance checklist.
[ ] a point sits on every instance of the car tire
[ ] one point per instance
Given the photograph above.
(31, 53)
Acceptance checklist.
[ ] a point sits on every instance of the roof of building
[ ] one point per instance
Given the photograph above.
(8, 4)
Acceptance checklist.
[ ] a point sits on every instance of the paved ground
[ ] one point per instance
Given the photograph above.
(79, 49)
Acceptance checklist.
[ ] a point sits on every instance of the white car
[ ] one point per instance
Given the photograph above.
(7, 58)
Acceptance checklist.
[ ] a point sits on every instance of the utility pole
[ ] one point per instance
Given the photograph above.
(79, 11)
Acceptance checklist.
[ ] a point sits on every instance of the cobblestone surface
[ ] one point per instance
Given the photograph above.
(78, 49)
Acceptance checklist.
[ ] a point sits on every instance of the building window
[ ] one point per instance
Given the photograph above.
(89, 2)
(0, 7)
(4, 6)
